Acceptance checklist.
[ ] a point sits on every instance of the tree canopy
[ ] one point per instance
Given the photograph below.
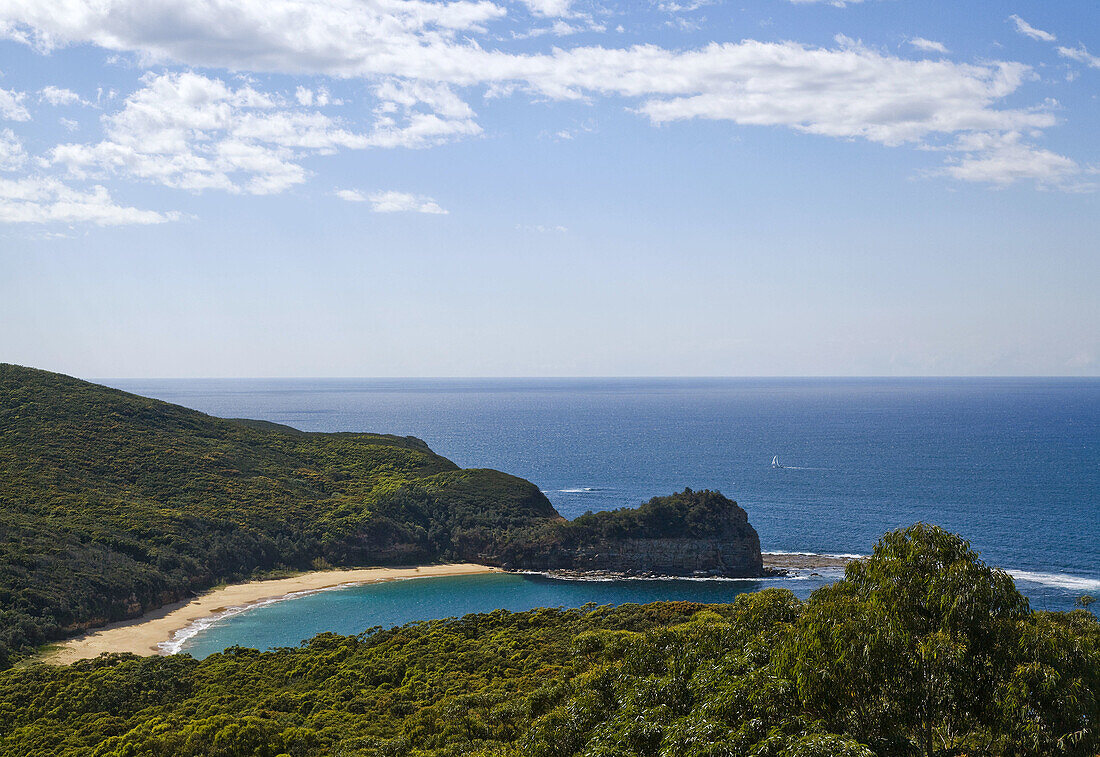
(921, 650)
(112, 504)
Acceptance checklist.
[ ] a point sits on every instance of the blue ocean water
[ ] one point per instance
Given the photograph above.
(1012, 464)
(355, 609)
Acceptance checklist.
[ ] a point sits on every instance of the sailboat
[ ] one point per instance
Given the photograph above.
(775, 462)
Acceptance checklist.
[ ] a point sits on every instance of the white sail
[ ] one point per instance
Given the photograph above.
(775, 462)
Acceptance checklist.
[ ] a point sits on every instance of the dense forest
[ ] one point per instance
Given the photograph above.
(921, 650)
(112, 504)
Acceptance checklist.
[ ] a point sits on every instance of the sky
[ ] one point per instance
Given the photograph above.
(359, 188)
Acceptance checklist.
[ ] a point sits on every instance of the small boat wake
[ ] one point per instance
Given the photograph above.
(779, 466)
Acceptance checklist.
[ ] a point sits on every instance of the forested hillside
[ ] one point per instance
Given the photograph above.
(111, 504)
(921, 650)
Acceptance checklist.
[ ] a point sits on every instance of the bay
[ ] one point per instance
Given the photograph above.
(1011, 464)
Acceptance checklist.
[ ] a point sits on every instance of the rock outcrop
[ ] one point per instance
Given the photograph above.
(733, 557)
(687, 534)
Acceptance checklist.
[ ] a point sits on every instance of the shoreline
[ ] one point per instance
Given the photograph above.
(775, 564)
(158, 632)
(150, 633)
(782, 561)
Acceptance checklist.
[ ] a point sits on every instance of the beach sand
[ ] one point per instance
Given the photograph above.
(143, 635)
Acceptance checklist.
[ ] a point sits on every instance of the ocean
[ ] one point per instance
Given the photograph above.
(1011, 464)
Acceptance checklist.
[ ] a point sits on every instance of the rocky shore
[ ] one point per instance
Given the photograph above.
(785, 561)
(774, 565)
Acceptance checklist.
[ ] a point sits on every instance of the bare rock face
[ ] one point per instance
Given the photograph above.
(686, 534)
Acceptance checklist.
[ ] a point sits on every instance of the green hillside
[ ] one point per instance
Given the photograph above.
(921, 651)
(111, 504)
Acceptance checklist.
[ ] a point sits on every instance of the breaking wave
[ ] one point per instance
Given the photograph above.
(1057, 580)
(847, 555)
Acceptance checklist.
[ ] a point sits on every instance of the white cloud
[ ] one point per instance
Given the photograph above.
(564, 28)
(1081, 55)
(685, 7)
(392, 201)
(1023, 27)
(851, 92)
(561, 28)
(847, 92)
(587, 127)
(549, 7)
(12, 154)
(58, 96)
(416, 114)
(419, 55)
(1003, 159)
(928, 45)
(319, 97)
(351, 195)
(407, 95)
(340, 37)
(193, 132)
(11, 105)
(69, 124)
(41, 200)
(834, 3)
(396, 202)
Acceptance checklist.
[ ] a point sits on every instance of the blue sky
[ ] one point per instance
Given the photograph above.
(549, 187)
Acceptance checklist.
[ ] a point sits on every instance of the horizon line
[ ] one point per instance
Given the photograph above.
(1006, 376)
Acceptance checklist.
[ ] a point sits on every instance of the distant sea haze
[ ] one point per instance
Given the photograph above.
(1012, 464)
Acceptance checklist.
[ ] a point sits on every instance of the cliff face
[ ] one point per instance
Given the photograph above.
(686, 534)
(734, 557)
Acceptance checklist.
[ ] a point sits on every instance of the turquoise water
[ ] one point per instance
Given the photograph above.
(1012, 464)
(355, 609)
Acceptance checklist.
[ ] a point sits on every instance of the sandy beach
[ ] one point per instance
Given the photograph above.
(147, 634)
(144, 635)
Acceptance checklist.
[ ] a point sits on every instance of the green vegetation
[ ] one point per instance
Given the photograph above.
(687, 514)
(705, 518)
(112, 504)
(920, 650)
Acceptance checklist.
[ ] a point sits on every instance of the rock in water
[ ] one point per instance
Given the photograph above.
(691, 533)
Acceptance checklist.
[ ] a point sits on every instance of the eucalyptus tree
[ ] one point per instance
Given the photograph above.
(925, 649)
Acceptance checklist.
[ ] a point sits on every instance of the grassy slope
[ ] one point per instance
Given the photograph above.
(111, 504)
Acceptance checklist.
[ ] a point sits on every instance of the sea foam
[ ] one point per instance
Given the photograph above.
(845, 555)
(1059, 580)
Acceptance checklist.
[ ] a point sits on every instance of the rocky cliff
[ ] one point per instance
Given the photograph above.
(686, 534)
(735, 557)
